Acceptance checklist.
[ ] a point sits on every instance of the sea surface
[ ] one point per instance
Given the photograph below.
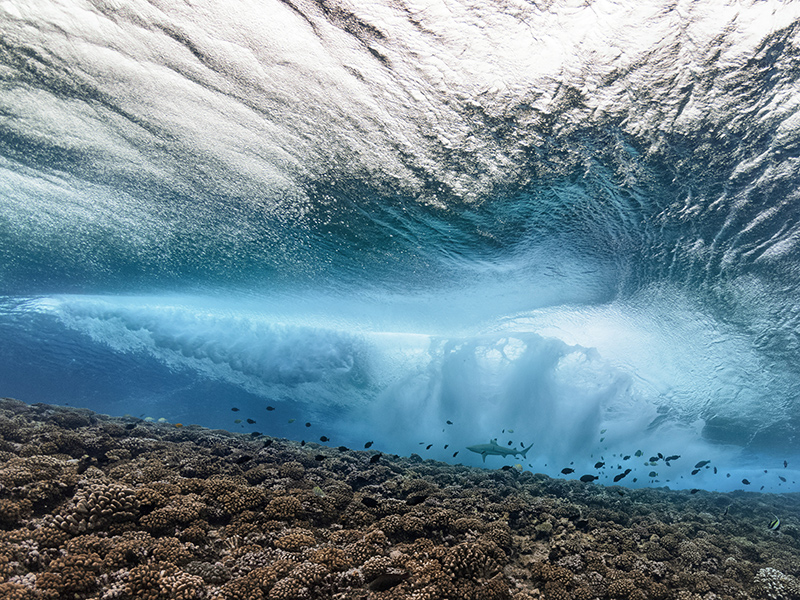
(422, 224)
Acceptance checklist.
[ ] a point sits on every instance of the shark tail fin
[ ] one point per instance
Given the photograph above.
(525, 451)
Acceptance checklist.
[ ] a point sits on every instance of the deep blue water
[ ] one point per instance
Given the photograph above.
(572, 226)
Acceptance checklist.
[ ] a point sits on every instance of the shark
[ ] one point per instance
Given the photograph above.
(494, 449)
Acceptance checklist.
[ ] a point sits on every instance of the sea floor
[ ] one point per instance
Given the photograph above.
(99, 507)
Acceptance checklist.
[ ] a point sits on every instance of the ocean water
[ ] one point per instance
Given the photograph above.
(420, 224)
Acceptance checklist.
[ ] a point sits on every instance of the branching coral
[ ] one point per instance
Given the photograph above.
(772, 584)
(96, 506)
(129, 519)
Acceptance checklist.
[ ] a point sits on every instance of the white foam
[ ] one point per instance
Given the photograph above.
(622, 389)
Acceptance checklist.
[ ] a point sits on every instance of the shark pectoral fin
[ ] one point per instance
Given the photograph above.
(483, 454)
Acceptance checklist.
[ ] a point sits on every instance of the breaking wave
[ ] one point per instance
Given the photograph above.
(545, 217)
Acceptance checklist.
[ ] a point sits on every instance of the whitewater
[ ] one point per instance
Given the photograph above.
(424, 225)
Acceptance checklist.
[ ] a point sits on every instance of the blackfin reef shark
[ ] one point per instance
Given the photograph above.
(492, 448)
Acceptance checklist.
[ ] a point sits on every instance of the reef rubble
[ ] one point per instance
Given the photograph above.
(98, 507)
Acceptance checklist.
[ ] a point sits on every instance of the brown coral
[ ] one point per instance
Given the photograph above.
(11, 513)
(257, 582)
(169, 549)
(96, 506)
(295, 542)
(333, 558)
(283, 508)
(287, 588)
(472, 561)
(131, 548)
(180, 511)
(215, 573)
(71, 574)
(292, 469)
(309, 574)
(15, 591)
(162, 581)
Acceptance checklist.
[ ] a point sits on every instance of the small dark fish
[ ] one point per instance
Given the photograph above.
(445, 446)
(251, 421)
(745, 481)
(673, 457)
(270, 408)
(588, 478)
(130, 426)
(308, 424)
(255, 434)
(343, 448)
(267, 443)
(620, 492)
(652, 474)
(715, 470)
(783, 479)
(375, 458)
(509, 443)
(567, 471)
(507, 467)
(320, 457)
(428, 447)
(598, 465)
(695, 472)
(785, 464)
(638, 453)
(660, 455)
(234, 409)
(626, 457)
(701, 464)
(324, 438)
(387, 581)
(302, 442)
(414, 500)
(726, 510)
(621, 475)
(455, 453)
(243, 459)
(653, 459)
(449, 422)
(368, 445)
(370, 502)
(693, 491)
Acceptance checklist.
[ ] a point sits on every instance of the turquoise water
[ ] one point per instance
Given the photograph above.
(545, 225)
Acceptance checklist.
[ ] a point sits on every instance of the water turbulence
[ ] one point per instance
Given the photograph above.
(423, 226)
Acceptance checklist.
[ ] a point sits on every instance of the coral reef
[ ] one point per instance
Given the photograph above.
(100, 508)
